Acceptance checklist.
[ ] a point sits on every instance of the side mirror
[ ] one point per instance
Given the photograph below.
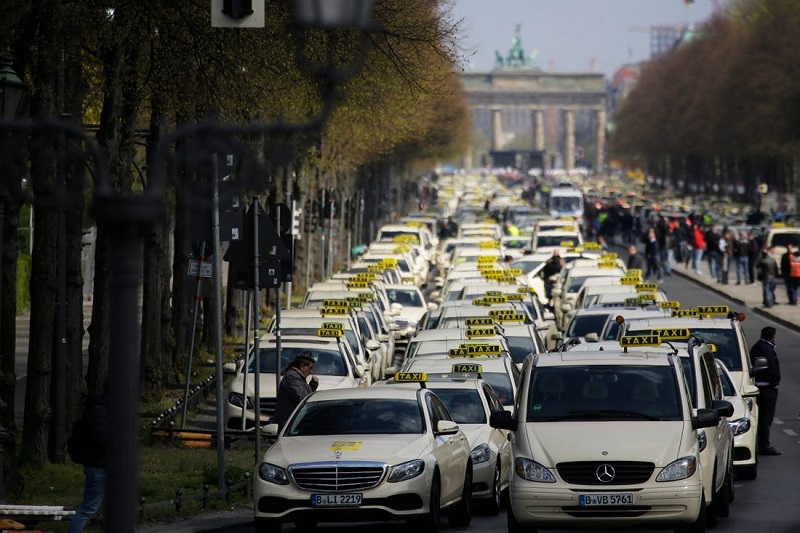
(565, 308)
(438, 282)
(435, 295)
(359, 370)
(394, 326)
(446, 427)
(556, 336)
(555, 292)
(373, 345)
(432, 306)
(396, 307)
(230, 368)
(592, 337)
(760, 366)
(382, 337)
(723, 407)
(548, 315)
(270, 430)
(502, 420)
(705, 418)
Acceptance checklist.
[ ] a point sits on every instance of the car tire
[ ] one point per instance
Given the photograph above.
(492, 506)
(699, 525)
(723, 497)
(267, 525)
(429, 523)
(747, 471)
(461, 514)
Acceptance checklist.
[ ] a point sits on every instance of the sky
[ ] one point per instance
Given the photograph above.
(569, 34)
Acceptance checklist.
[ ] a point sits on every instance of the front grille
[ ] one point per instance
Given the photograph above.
(624, 472)
(338, 477)
(267, 406)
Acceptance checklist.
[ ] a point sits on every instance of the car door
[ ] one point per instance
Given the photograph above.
(499, 437)
(448, 450)
(720, 435)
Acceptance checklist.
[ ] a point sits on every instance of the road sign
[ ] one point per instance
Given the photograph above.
(205, 268)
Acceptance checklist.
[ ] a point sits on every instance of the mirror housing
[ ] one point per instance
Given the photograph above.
(382, 337)
(270, 430)
(373, 345)
(502, 420)
(723, 407)
(435, 295)
(432, 306)
(446, 427)
(230, 368)
(359, 370)
(705, 418)
(557, 336)
(760, 366)
(566, 307)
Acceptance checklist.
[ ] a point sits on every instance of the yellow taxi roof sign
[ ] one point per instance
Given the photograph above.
(634, 272)
(332, 311)
(627, 280)
(713, 309)
(526, 290)
(671, 333)
(685, 313)
(472, 333)
(646, 287)
(358, 284)
(606, 264)
(470, 322)
(335, 303)
(672, 304)
(411, 377)
(329, 333)
(489, 244)
(510, 317)
(640, 340)
(332, 325)
(467, 368)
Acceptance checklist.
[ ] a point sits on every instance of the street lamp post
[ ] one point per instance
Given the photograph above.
(12, 90)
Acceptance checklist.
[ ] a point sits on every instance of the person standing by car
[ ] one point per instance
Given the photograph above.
(635, 260)
(87, 445)
(698, 246)
(767, 272)
(294, 386)
(740, 254)
(713, 254)
(753, 254)
(550, 270)
(652, 253)
(767, 384)
(786, 272)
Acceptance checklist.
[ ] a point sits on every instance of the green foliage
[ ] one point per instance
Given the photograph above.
(23, 283)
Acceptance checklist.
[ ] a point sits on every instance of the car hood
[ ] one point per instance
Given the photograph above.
(390, 449)
(556, 442)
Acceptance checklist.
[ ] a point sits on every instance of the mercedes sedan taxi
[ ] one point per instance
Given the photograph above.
(364, 454)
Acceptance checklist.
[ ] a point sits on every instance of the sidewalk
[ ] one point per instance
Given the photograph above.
(747, 295)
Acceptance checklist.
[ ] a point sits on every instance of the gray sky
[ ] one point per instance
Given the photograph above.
(570, 33)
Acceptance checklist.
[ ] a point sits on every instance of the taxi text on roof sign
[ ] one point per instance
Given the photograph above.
(495, 313)
(472, 333)
(669, 305)
(489, 244)
(332, 311)
(329, 333)
(411, 377)
(609, 256)
(640, 340)
(633, 272)
(466, 368)
(486, 259)
(365, 276)
(375, 268)
(671, 333)
(357, 285)
(335, 303)
(684, 313)
(511, 317)
(574, 250)
(526, 290)
(470, 322)
(646, 287)
(366, 296)
(515, 297)
(625, 280)
(514, 271)
(332, 325)
(471, 350)
(713, 310)
(592, 246)
(606, 264)
(494, 293)
(354, 301)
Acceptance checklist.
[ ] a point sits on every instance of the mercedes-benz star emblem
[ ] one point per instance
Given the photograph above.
(605, 473)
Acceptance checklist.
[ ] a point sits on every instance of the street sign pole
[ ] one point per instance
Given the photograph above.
(277, 327)
(246, 308)
(256, 334)
(197, 297)
(217, 247)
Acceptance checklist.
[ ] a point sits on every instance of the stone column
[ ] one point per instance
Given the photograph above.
(537, 117)
(600, 161)
(497, 128)
(569, 140)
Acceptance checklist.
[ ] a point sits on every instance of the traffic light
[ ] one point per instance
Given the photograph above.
(296, 214)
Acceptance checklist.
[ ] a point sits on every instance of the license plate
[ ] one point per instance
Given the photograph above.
(336, 500)
(606, 499)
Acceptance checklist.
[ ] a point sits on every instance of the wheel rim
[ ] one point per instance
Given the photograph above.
(496, 488)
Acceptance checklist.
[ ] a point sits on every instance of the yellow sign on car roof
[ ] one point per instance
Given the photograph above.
(673, 304)
(671, 333)
(472, 333)
(411, 377)
(640, 340)
(713, 309)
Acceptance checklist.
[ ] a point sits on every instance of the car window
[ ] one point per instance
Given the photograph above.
(603, 392)
(438, 411)
(494, 402)
(727, 385)
(501, 385)
(464, 405)
(520, 347)
(581, 325)
(357, 416)
(327, 362)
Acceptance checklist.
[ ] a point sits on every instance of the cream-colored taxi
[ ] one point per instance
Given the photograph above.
(378, 453)
(605, 439)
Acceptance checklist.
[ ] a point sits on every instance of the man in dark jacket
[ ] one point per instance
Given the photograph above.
(294, 386)
(96, 441)
(635, 260)
(767, 383)
(767, 272)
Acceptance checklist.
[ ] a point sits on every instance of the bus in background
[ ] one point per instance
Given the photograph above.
(566, 201)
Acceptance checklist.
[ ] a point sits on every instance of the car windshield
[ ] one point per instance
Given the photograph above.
(406, 298)
(349, 335)
(782, 239)
(526, 266)
(520, 347)
(603, 392)
(725, 340)
(326, 362)
(556, 240)
(515, 244)
(465, 405)
(580, 326)
(357, 416)
(501, 384)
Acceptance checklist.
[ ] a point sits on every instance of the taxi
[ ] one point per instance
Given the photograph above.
(606, 439)
(378, 453)
(744, 426)
(335, 366)
(471, 401)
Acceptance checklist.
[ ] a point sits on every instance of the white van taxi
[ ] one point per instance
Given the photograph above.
(605, 439)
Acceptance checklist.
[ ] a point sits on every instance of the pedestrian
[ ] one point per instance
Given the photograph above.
(788, 260)
(550, 270)
(713, 254)
(670, 247)
(726, 254)
(652, 254)
(753, 255)
(698, 246)
(87, 445)
(740, 254)
(767, 272)
(635, 261)
(767, 383)
(294, 386)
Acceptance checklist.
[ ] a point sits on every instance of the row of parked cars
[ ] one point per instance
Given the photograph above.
(481, 397)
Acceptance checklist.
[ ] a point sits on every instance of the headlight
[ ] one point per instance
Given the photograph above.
(273, 474)
(680, 469)
(234, 398)
(405, 471)
(532, 471)
(739, 426)
(702, 441)
(480, 454)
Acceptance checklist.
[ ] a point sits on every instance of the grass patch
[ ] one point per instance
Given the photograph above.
(164, 468)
